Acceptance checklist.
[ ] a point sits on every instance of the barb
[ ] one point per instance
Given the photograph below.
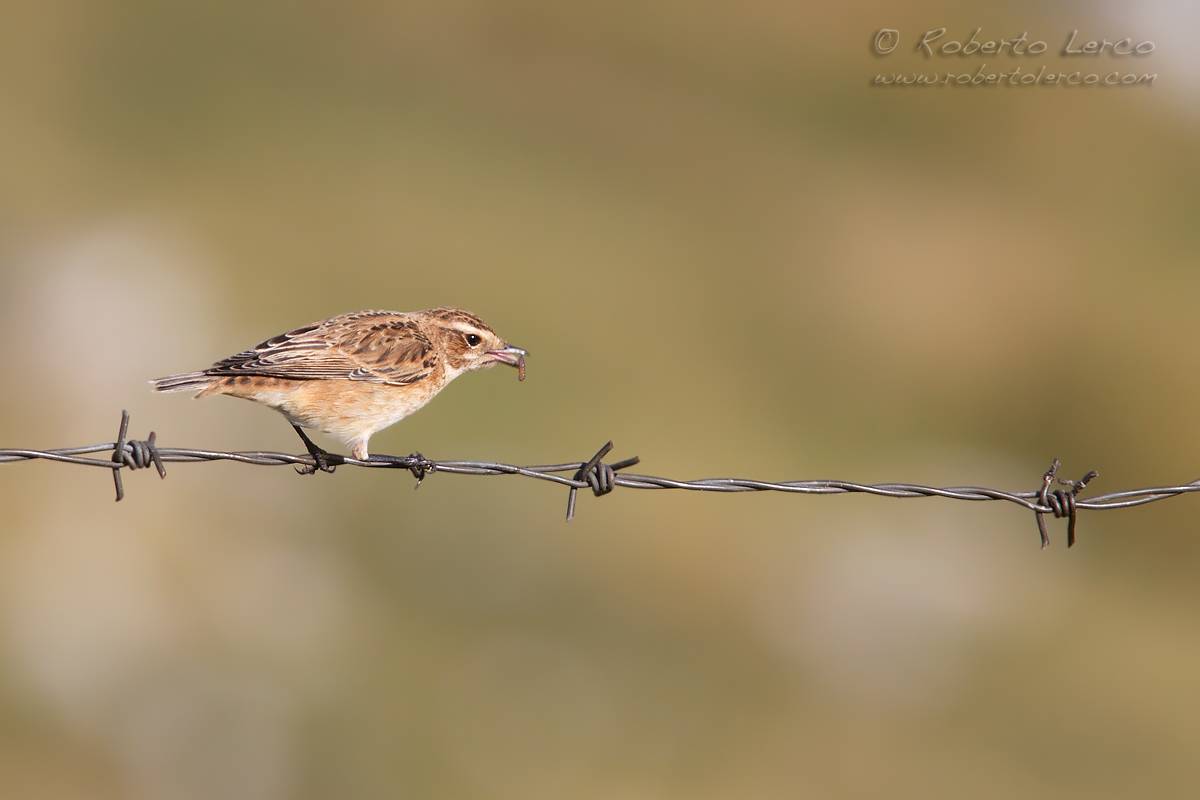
(1061, 503)
(140, 454)
(602, 478)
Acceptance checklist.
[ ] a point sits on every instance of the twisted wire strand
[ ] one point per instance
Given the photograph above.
(602, 478)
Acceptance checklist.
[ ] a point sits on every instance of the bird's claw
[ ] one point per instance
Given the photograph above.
(322, 464)
(319, 456)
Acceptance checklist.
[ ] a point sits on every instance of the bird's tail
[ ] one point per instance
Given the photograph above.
(184, 382)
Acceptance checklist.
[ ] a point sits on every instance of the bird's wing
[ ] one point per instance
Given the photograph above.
(373, 346)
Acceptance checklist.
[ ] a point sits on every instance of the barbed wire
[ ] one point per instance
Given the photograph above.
(602, 478)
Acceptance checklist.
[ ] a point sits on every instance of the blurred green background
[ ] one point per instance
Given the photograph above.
(727, 251)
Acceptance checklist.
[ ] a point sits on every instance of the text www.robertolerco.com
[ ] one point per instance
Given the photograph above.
(932, 44)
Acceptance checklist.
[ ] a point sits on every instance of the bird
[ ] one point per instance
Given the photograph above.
(353, 375)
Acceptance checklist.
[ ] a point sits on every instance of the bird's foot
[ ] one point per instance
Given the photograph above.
(321, 457)
(323, 460)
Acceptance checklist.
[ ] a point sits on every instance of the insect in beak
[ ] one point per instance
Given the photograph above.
(513, 356)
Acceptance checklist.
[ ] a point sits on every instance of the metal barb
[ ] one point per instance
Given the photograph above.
(135, 454)
(1061, 503)
(1047, 479)
(421, 467)
(417, 464)
(1068, 499)
(600, 477)
(118, 451)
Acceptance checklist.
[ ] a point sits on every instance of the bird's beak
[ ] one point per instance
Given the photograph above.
(508, 355)
(513, 356)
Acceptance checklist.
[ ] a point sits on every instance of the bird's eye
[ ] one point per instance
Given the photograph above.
(473, 340)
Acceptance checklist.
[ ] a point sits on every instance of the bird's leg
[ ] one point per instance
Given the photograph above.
(321, 457)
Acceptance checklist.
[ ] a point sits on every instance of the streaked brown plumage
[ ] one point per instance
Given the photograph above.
(355, 374)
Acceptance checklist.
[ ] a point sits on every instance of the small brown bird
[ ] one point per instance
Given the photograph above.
(355, 374)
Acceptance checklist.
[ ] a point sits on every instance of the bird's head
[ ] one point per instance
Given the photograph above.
(469, 343)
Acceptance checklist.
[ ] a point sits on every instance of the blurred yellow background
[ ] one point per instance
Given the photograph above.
(728, 252)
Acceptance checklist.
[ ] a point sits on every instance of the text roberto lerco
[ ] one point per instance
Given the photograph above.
(932, 44)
